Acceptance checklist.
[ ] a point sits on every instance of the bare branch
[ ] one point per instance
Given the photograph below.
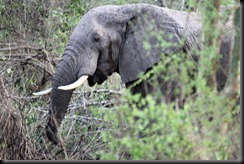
(21, 47)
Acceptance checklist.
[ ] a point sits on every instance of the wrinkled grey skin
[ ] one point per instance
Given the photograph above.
(110, 39)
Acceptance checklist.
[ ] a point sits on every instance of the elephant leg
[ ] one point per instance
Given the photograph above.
(170, 90)
(143, 88)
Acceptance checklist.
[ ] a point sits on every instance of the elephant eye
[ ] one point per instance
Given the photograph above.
(96, 38)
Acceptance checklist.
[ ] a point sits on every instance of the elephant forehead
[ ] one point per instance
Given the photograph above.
(109, 9)
(89, 23)
(98, 27)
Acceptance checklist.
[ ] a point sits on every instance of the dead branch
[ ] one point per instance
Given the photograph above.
(21, 47)
(108, 91)
(83, 118)
(8, 44)
(105, 103)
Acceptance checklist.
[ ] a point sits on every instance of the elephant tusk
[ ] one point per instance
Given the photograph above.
(74, 85)
(42, 92)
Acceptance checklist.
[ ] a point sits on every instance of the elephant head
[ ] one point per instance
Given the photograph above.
(111, 39)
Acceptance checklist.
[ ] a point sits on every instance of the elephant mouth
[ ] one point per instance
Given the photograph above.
(98, 77)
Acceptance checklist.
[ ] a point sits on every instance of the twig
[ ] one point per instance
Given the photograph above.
(23, 98)
(101, 103)
(21, 47)
(108, 90)
(5, 44)
(9, 56)
(100, 91)
(41, 110)
(83, 118)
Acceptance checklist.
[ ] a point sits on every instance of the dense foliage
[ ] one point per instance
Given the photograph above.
(103, 122)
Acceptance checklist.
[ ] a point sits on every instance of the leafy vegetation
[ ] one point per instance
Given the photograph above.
(105, 122)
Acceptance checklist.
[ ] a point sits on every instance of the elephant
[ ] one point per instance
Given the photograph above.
(109, 39)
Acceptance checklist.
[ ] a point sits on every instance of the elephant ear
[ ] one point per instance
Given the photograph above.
(150, 33)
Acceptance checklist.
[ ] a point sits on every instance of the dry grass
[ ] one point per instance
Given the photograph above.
(15, 142)
(23, 116)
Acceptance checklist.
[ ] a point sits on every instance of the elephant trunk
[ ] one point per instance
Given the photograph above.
(68, 71)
